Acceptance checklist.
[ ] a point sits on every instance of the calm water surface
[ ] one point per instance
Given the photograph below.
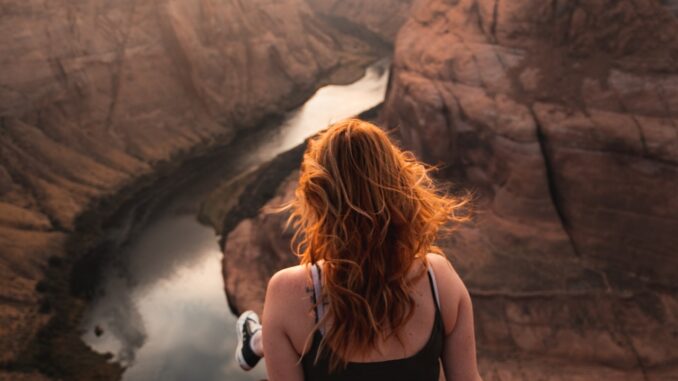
(162, 310)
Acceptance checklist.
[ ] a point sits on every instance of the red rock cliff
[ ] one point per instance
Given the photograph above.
(562, 116)
(95, 94)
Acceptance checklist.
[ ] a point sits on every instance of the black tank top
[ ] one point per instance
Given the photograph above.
(422, 366)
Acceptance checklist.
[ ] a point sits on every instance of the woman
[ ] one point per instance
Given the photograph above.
(372, 298)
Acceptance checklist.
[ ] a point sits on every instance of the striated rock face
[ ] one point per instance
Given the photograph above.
(95, 94)
(580, 133)
(559, 120)
(561, 116)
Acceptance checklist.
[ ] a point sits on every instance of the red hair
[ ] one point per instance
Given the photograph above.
(368, 210)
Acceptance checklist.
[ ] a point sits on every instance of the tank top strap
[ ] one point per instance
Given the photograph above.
(423, 365)
(316, 276)
(434, 286)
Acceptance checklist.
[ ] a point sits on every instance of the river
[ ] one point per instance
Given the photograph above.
(160, 309)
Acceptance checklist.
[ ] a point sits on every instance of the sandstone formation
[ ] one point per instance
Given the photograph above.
(95, 95)
(560, 120)
(561, 117)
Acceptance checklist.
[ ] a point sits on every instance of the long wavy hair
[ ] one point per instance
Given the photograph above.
(368, 210)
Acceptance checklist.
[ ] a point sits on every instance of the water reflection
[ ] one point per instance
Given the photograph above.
(164, 313)
(333, 103)
(162, 310)
(328, 105)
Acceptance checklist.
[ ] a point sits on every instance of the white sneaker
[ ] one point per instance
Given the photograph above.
(246, 326)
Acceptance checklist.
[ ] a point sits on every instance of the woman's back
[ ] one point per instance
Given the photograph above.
(290, 335)
(298, 308)
(394, 358)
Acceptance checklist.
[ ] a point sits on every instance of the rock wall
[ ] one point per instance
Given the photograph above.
(96, 94)
(563, 115)
(560, 116)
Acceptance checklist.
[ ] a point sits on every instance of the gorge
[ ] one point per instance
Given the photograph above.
(559, 115)
(160, 308)
(102, 101)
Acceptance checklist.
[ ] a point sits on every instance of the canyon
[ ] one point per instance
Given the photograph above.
(99, 101)
(560, 118)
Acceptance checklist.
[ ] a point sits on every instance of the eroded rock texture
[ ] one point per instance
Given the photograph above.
(561, 117)
(94, 94)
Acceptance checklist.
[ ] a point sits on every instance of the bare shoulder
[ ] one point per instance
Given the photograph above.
(289, 280)
(442, 267)
(287, 306)
(438, 261)
(451, 288)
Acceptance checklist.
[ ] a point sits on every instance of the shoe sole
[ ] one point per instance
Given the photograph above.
(240, 324)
